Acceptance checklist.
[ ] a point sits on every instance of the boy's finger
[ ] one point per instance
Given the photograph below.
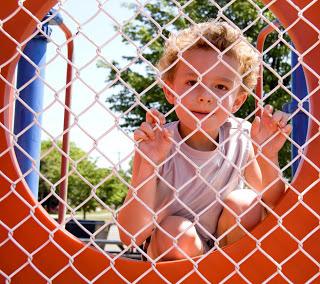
(149, 117)
(147, 128)
(287, 129)
(167, 133)
(277, 116)
(255, 127)
(284, 119)
(281, 138)
(154, 116)
(139, 134)
(268, 109)
(267, 113)
(159, 115)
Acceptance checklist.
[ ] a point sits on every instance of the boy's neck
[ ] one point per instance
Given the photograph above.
(198, 140)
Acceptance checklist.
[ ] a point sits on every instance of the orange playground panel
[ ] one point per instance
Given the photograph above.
(33, 249)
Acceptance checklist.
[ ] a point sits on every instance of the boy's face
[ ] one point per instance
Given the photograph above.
(219, 93)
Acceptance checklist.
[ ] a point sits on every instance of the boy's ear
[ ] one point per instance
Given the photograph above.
(169, 96)
(240, 99)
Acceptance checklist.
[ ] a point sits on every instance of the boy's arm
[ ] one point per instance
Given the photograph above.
(134, 216)
(265, 176)
(268, 134)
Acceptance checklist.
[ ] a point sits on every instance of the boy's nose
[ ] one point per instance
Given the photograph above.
(205, 98)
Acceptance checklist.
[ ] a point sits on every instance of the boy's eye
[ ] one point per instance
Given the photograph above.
(222, 87)
(191, 82)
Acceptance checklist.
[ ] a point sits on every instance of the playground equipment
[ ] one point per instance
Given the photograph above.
(300, 123)
(31, 97)
(31, 102)
(298, 88)
(288, 248)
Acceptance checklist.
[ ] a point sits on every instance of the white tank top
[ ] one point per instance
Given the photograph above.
(181, 192)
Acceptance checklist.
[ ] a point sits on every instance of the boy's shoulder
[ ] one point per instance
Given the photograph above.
(171, 125)
(231, 123)
(238, 123)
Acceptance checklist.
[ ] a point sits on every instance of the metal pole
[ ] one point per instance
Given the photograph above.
(260, 45)
(63, 193)
(300, 120)
(28, 109)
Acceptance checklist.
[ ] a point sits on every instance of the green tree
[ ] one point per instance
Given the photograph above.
(146, 35)
(88, 185)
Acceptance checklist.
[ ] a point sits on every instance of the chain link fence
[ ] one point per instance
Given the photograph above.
(103, 114)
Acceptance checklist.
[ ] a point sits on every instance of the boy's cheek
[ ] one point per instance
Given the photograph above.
(183, 112)
(182, 103)
(225, 104)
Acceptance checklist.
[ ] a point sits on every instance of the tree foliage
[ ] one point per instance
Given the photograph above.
(88, 185)
(144, 32)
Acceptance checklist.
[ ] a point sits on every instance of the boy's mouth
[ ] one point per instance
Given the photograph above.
(201, 114)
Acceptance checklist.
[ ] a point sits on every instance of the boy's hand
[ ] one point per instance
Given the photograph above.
(154, 143)
(269, 124)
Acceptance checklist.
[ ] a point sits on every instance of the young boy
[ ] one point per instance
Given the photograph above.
(187, 181)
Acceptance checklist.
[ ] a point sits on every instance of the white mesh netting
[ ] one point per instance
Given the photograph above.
(115, 83)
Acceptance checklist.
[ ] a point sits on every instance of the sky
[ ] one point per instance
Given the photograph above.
(95, 125)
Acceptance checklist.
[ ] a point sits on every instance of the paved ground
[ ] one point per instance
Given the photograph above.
(113, 235)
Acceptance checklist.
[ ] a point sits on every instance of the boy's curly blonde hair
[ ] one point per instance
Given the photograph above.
(220, 34)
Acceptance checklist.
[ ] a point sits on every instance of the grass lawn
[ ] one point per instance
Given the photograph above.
(103, 215)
